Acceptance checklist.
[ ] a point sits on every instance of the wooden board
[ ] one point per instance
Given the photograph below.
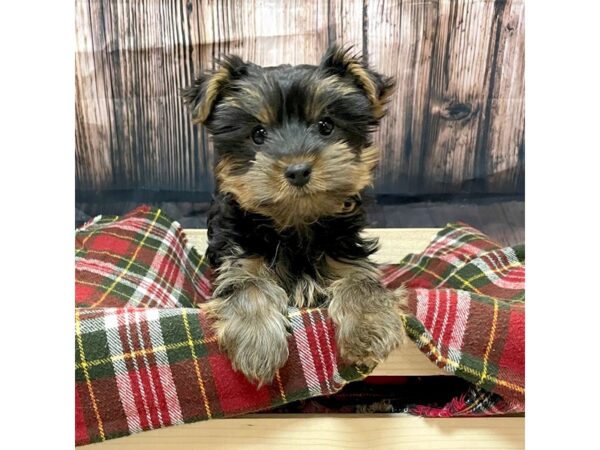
(455, 125)
(388, 431)
(395, 244)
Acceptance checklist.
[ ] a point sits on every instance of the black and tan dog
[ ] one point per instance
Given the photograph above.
(294, 153)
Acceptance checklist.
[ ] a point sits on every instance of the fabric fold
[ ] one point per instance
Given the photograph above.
(146, 356)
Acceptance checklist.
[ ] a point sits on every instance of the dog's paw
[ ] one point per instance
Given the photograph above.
(369, 341)
(366, 336)
(257, 350)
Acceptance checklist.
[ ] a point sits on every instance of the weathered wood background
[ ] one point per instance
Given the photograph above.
(456, 124)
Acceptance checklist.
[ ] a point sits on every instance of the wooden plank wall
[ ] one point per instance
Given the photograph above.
(456, 124)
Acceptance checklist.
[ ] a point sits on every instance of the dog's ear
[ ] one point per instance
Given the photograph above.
(203, 94)
(343, 62)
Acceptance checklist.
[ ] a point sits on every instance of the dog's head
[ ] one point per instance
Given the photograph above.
(293, 142)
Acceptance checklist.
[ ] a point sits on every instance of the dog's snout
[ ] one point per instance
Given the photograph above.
(298, 174)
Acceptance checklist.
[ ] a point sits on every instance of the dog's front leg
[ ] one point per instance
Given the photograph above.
(249, 309)
(366, 314)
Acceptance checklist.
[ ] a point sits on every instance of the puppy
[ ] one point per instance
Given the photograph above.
(294, 153)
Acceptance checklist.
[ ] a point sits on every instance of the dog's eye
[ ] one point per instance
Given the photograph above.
(325, 126)
(259, 134)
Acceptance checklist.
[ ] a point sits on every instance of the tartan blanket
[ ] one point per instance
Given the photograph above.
(146, 357)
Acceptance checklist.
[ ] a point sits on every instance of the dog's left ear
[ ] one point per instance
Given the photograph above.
(204, 93)
(341, 61)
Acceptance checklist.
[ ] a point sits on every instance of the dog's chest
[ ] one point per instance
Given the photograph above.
(302, 272)
(300, 254)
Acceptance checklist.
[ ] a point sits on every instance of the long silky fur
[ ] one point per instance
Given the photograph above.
(274, 244)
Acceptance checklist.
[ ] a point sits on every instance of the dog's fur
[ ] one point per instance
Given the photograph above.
(275, 244)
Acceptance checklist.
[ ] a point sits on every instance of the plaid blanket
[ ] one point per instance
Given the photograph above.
(146, 356)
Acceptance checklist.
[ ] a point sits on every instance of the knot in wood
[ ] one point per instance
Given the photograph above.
(454, 110)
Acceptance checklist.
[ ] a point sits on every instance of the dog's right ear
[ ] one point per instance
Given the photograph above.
(204, 93)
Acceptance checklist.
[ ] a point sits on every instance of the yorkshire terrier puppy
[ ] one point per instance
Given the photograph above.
(294, 153)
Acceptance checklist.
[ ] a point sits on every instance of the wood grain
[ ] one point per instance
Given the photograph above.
(402, 44)
(408, 361)
(505, 141)
(389, 431)
(456, 124)
(457, 79)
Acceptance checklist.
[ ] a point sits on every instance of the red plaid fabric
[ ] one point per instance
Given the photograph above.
(467, 294)
(146, 357)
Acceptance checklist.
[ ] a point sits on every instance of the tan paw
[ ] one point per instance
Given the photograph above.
(367, 336)
(257, 350)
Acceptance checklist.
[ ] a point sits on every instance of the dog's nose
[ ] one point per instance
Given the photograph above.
(298, 174)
